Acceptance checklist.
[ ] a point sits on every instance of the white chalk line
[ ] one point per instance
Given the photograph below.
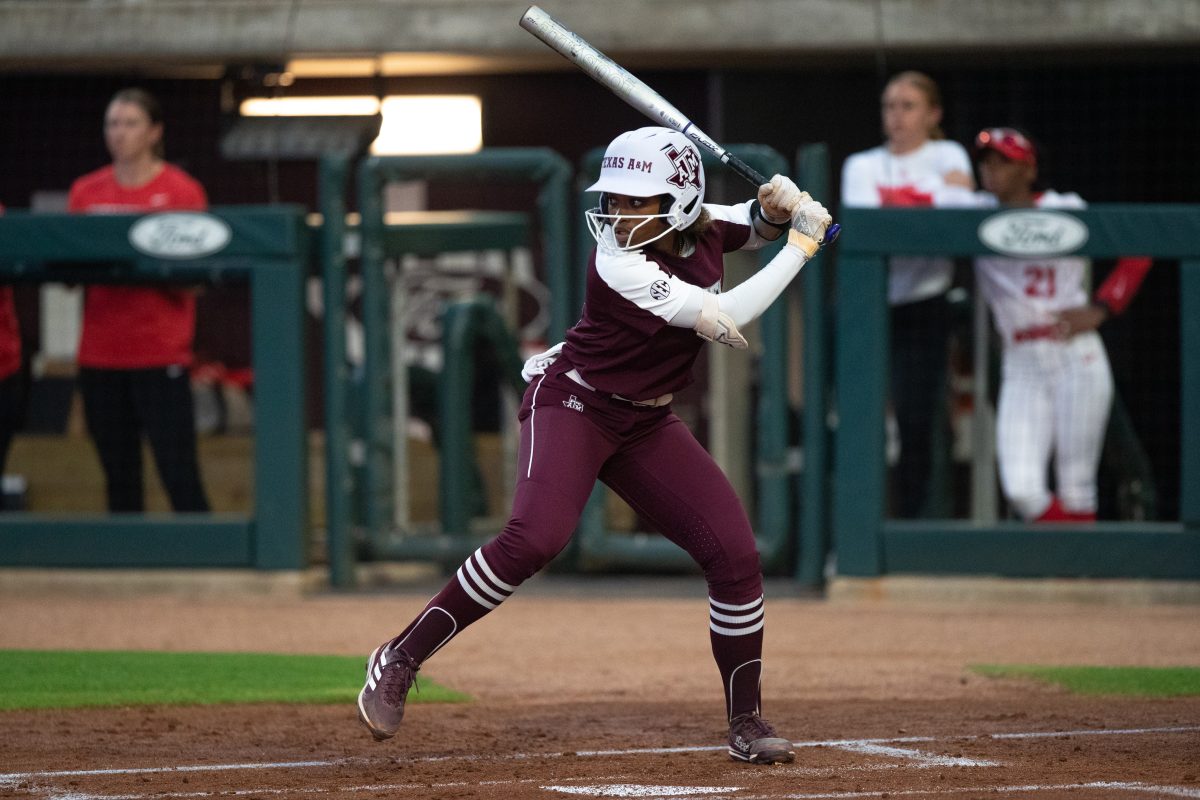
(307, 790)
(388, 787)
(630, 790)
(919, 758)
(641, 790)
(16, 777)
(1129, 786)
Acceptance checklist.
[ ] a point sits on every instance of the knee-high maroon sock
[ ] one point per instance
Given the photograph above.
(736, 633)
(471, 593)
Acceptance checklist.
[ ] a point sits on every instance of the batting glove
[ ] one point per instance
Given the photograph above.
(809, 223)
(777, 199)
(536, 365)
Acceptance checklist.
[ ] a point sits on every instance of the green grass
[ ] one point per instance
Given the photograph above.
(73, 679)
(1127, 681)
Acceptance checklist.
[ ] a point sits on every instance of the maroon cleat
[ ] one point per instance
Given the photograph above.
(390, 674)
(751, 738)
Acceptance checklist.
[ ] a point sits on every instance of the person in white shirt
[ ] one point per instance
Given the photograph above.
(908, 169)
(1056, 387)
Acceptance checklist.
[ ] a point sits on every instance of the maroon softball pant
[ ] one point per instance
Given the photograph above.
(570, 436)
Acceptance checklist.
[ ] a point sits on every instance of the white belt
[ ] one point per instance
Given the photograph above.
(661, 400)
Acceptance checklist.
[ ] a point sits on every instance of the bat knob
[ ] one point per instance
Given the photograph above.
(831, 234)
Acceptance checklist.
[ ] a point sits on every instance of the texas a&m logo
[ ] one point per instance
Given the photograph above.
(687, 167)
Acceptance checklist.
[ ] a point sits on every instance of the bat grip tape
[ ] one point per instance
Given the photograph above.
(745, 170)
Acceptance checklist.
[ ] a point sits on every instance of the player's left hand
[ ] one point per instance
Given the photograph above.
(778, 198)
(810, 220)
(1074, 321)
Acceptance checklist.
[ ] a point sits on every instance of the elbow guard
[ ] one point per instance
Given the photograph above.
(715, 326)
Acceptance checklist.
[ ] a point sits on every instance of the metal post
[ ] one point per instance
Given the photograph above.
(339, 545)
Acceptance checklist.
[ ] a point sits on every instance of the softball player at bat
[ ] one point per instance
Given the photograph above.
(1056, 386)
(599, 406)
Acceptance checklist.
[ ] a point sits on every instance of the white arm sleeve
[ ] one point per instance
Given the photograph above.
(642, 283)
(680, 303)
(749, 299)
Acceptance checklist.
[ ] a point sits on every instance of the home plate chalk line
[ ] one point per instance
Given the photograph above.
(883, 747)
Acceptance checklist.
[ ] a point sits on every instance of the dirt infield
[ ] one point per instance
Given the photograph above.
(606, 688)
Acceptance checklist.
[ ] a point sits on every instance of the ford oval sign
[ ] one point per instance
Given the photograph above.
(1033, 233)
(179, 234)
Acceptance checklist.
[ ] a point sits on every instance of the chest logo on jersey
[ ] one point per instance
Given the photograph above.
(660, 290)
(1033, 233)
(573, 404)
(179, 235)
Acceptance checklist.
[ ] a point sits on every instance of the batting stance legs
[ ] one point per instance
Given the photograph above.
(569, 437)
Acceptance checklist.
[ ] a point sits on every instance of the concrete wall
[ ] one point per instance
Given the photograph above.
(125, 33)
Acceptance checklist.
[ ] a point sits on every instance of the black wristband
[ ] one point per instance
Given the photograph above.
(779, 226)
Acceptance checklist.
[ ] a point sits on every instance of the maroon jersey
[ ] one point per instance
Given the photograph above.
(620, 345)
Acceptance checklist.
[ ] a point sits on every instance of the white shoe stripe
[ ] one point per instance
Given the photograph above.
(736, 631)
(727, 607)
(742, 619)
(487, 570)
(462, 579)
(481, 584)
(373, 668)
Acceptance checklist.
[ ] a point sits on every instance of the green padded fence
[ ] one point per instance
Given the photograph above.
(269, 247)
(332, 179)
(864, 542)
(812, 494)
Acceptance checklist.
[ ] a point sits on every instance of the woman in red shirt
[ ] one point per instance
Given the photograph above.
(12, 383)
(136, 345)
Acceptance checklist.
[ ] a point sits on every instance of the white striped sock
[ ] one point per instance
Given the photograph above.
(749, 617)
(480, 582)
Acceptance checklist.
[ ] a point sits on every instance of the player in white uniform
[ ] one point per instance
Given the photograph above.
(908, 170)
(1056, 387)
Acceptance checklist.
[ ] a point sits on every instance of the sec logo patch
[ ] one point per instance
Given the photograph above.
(660, 290)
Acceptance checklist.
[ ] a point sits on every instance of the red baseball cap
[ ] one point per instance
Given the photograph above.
(1008, 142)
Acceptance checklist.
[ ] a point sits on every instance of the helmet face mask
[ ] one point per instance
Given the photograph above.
(638, 233)
(649, 162)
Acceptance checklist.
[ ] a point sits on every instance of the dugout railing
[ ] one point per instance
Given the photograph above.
(864, 542)
(811, 490)
(363, 503)
(266, 246)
